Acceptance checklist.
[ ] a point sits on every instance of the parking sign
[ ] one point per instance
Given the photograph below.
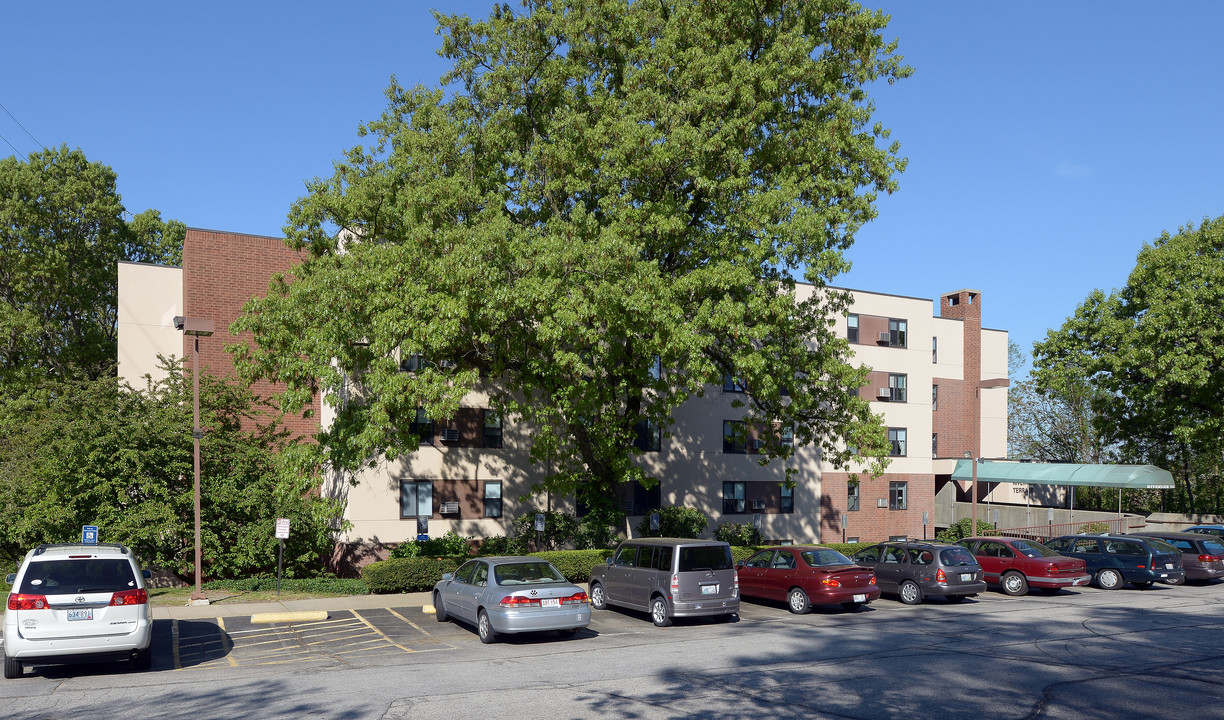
(89, 535)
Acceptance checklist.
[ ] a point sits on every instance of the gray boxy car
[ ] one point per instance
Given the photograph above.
(669, 578)
(914, 570)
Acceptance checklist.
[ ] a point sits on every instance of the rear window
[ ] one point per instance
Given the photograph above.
(1214, 547)
(705, 557)
(956, 556)
(824, 557)
(59, 577)
(1028, 548)
(526, 573)
(1162, 547)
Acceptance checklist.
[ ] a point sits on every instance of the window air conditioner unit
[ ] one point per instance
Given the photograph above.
(881, 502)
(885, 337)
(758, 504)
(449, 508)
(756, 443)
(450, 435)
(883, 392)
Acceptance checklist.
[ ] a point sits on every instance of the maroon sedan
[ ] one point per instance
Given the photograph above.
(806, 575)
(1015, 565)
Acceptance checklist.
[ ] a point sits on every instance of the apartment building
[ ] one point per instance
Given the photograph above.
(936, 375)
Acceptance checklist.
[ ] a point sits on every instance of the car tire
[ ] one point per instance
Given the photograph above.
(12, 668)
(439, 609)
(143, 659)
(658, 612)
(484, 628)
(910, 593)
(1144, 585)
(1109, 579)
(1179, 581)
(851, 606)
(599, 599)
(1014, 584)
(797, 602)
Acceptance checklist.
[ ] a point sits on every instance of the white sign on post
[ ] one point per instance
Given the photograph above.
(282, 528)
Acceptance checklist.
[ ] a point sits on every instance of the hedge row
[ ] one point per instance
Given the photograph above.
(328, 586)
(575, 565)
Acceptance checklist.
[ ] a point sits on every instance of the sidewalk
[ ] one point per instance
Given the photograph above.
(353, 602)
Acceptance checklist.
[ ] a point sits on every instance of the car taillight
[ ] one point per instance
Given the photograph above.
(675, 584)
(577, 598)
(831, 582)
(940, 576)
(130, 597)
(1210, 558)
(872, 581)
(27, 602)
(515, 601)
(736, 590)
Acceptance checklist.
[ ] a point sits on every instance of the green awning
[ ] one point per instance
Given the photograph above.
(1119, 476)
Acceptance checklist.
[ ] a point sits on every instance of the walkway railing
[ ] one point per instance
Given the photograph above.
(1046, 532)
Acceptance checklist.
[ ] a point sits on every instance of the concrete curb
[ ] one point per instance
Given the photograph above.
(289, 617)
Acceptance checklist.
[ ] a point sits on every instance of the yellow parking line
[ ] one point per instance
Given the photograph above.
(380, 632)
(401, 617)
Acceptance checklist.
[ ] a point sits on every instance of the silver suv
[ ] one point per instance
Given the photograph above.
(77, 603)
(669, 578)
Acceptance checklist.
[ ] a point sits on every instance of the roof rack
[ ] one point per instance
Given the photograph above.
(44, 547)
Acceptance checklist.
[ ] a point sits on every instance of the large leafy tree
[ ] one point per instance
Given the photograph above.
(62, 232)
(602, 212)
(1151, 357)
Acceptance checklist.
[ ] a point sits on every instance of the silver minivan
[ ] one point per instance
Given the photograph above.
(669, 578)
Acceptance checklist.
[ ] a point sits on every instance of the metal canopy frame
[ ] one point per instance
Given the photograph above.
(1131, 477)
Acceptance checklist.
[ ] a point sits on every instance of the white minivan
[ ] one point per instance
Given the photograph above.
(76, 602)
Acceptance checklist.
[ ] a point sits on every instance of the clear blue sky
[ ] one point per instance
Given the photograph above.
(1046, 141)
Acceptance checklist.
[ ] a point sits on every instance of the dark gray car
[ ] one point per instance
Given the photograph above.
(669, 578)
(913, 570)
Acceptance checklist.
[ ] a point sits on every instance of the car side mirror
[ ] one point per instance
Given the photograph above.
(10, 578)
(608, 561)
(448, 576)
(740, 564)
(146, 574)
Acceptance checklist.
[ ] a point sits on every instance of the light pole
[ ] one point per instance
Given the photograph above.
(195, 327)
(973, 489)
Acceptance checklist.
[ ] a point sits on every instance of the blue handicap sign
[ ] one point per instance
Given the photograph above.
(89, 535)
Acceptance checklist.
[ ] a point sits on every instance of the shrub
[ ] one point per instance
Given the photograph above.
(960, 529)
(412, 574)
(449, 545)
(1094, 527)
(575, 565)
(502, 545)
(738, 534)
(678, 522)
(322, 585)
(560, 529)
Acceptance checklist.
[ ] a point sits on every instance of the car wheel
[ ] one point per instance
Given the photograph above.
(439, 609)
(484, 627)
(1178, 581)
(955, 598)
(797, 601)
(12, 667)
(1143, 585)
(599, 600)
(1015, 584)
(658, 612)
(143, 659)
(910, 593)
(1109, 579)
(851, 606)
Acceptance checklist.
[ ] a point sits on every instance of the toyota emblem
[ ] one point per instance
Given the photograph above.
(80, 600)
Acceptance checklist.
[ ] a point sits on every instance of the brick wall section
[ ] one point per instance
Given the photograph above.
(870, 523)
(221, 272)
(959, 407)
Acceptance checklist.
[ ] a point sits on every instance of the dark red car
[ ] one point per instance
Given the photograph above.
(1015, 565)
(807, 575)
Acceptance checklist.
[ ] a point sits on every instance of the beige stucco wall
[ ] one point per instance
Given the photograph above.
(149, 298)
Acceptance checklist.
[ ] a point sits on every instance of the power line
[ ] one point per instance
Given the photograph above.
(15, 150)
(27, 132)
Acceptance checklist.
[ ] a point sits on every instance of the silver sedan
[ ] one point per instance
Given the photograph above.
(511, 595)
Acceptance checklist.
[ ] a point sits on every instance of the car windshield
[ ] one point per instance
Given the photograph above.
(956, 556)
(526, 573)
(1033, 549)
(824, 557)
(58, 577)
(1161, 546)
(705, 557)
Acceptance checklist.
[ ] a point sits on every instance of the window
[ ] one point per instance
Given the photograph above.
(647, 436)
(852, 328)
(733, 497)
(787, 435)
(413, 362)
(493, 499)
(735, 437)
(896, 438)
(638, 500)
(934, 349)
(852, 497)
(896, 333)
(934, 398)
(423, 427)
(786, 502)
(416, 498)
(896, 495)
(732, 383)
(934, 445)
(656, 368)
(896, 387)
(492, 430)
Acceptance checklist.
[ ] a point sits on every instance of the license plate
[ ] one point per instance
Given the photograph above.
(860, 598)
(86, 614)
(1168, 566)
(966, 577)
(709, 589)
(550, 602)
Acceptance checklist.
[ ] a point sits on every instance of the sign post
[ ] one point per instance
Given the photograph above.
(282, 532)
(539, 528)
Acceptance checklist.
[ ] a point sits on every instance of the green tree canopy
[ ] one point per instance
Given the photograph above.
(603, 210)
(62, 233)
(1152, 358)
